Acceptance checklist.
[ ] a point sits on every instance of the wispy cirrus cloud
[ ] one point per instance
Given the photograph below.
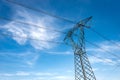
(36, 36)
(36, 76)
(106, 46)
(27, 59)
(25, 73)
(103, 53)
(105, 61)
(70, 52)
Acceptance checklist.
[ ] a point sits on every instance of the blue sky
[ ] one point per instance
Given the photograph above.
(24, 59)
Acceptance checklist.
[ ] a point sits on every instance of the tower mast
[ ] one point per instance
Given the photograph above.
(75, 37)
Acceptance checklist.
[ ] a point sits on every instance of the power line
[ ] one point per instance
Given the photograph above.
(101, 58)
(44, 28)
(41, 11)
(63, 43)
(31, 24)
(104, 37)
(34, 25)
(117, 66)
(103, 49)
(70, 21)
(32, 39)
(52, 42)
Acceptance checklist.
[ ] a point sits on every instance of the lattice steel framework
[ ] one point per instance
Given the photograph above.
(75, 37)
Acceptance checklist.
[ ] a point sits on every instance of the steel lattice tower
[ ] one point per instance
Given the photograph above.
(75, 37)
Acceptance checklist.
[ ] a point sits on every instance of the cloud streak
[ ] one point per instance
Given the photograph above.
(106, 46)
(28, 59)
(36, 76)
(70, 52)
(104, 61)
(102, 54)
(24, 33)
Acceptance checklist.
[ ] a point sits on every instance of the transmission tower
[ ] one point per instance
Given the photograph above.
(75, 38)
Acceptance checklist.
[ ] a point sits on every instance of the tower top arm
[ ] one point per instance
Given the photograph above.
(69, 37)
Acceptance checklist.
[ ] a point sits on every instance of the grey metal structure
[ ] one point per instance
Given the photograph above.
(75, 38)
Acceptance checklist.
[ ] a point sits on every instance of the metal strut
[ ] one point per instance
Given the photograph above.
(75, 37)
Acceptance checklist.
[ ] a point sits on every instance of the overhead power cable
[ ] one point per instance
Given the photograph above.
(70, 21)
(104, 37)
(62, 43)
(101, 58)
(103, 49)
(115, 64)
(41, 11)
(47, 28)
(117, 68)
(53, 41)
(32, 25)
(8, 35)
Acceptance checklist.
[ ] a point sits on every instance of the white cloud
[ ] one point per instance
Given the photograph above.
(32, 60)
(21, 73)
(36, 76)
(106, 46)
(23, 33)
(104, 53)
(104, 61)
(64, 52)
(28, 59)
(25, 73)
(61, 78)
(6, 74)
(44, 74)
(95, 69)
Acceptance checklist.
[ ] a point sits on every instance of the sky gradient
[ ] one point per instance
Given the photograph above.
(27, 54)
